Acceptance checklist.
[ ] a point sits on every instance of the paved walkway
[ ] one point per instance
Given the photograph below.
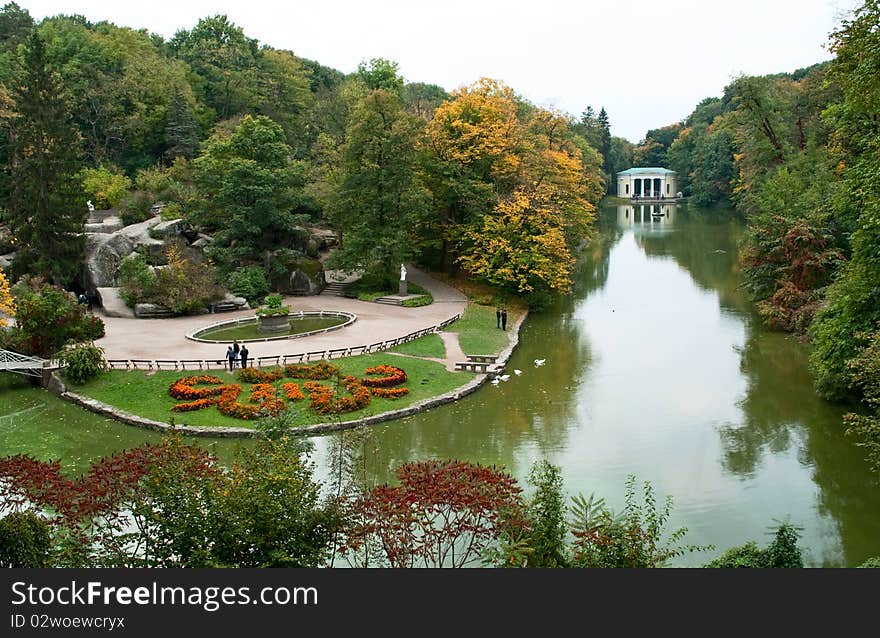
(165, 338)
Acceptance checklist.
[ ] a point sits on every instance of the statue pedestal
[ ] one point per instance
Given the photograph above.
(402, 290)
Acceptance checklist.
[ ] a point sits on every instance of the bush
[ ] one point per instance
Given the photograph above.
(172, 210)
(105, 187)
(782, 553)
(47, 317)
(24, 541)
(871, 563)
(82, 362)
(137, 281)
(135, 208)
(424, 300)
(273, 306)
(249, 282)
(186, 285)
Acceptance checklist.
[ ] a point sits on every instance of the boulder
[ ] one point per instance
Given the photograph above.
(6, 245)
(302, 284)
(174, 228)
(108, 225)
(112, 303)
(202, 242)
(104, 253)
(151, 311)
(230, 303)
(324, 239)
(6, 261)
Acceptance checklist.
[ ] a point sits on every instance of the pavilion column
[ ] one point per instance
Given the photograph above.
(650, 190)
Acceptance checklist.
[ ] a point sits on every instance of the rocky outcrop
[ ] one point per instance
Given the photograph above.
(174, 228)
(104, 253)
(302, 284)
(6, 261)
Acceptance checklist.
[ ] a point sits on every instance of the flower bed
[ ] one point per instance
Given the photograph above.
(265, 401)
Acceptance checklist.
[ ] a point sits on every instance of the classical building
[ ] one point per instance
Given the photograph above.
(647, 183)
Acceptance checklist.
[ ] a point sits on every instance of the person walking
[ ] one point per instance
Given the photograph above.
(504, 318)
(236, 349)
(243, 353)
(497, 317)
(230, 356)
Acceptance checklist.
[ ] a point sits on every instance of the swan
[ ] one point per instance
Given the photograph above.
(517, 372)
(495, 381)
(539, 362)
(504, 377)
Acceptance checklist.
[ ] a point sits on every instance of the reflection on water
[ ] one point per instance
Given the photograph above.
(655, 366)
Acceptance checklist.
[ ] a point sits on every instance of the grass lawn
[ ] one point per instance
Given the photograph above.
(427, 346)
(477, 333)
(147, 395)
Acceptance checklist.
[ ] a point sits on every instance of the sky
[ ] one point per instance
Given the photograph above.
(648, 63)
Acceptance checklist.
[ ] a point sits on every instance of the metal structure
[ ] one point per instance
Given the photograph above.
(21, 364)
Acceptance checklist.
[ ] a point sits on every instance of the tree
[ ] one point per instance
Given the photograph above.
(46, 208)
(545, 513)
(181, 129)
(382, 74)
(605, 140)
(379, 201)
(7, 301)
(225, 59)
(24, 541)
(443, 514)
(249, 189)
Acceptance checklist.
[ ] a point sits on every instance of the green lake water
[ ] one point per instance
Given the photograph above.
(655, 366)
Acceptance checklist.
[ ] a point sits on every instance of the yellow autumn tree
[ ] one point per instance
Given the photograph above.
(7, 301)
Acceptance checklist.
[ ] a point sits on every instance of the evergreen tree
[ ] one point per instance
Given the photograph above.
(46, 207)
(181, 129)
(605, 141)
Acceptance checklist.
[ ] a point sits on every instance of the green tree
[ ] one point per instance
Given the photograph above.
(25, 541)
(380, 73)
(181, 129)
(225, 59)
(46, 207)
(249, 191)
(782, 553)
(379, 202)
(545, 514)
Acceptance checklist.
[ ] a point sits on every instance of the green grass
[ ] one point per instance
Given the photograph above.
(477, 333)
(250, 331)
(428, 346)
(147, 395)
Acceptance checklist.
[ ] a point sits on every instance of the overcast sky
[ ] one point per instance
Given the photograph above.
(647, 62)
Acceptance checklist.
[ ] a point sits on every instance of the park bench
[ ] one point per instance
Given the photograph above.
(192, 363)
(116, 364)
(482, 358)
(473, 365)
(169, 364)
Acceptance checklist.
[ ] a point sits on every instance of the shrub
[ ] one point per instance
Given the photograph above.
(871, 563)
(137, 281)
(424, 300)
(106, 187)
(249, 282)
(82, 362)
(187, 284)
(782, 553)
(273, 306)
(172, 210)
(24, 541)
(135, 208)
(47, 317)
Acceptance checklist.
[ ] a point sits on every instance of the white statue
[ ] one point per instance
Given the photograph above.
(91, 206)
(402, 272)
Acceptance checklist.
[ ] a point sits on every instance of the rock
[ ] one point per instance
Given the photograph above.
(5, 240)
(302, 284)
(202, 242)
(55, 385)
(151, 311)
(174, 228)
(112, 303)
(104, 253)
(324, 239)
(109, 225)
(6, 261)
(230, 303)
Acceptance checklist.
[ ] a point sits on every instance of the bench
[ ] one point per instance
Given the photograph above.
(169, 364)
(117, 364)
(482, 358)
(192, 363)
(473, 365)
(141, 364)
(273, 360)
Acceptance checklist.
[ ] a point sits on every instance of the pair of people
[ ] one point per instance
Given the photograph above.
(501, 318)
(236, 353)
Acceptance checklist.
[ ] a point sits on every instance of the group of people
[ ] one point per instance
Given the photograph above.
(501, 318)
(237, 355)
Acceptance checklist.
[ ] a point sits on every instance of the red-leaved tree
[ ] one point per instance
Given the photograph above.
(443, 514)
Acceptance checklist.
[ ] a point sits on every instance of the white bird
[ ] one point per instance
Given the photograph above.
(517, 372)
(504, 377)
(539, 362)
(495, 381)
